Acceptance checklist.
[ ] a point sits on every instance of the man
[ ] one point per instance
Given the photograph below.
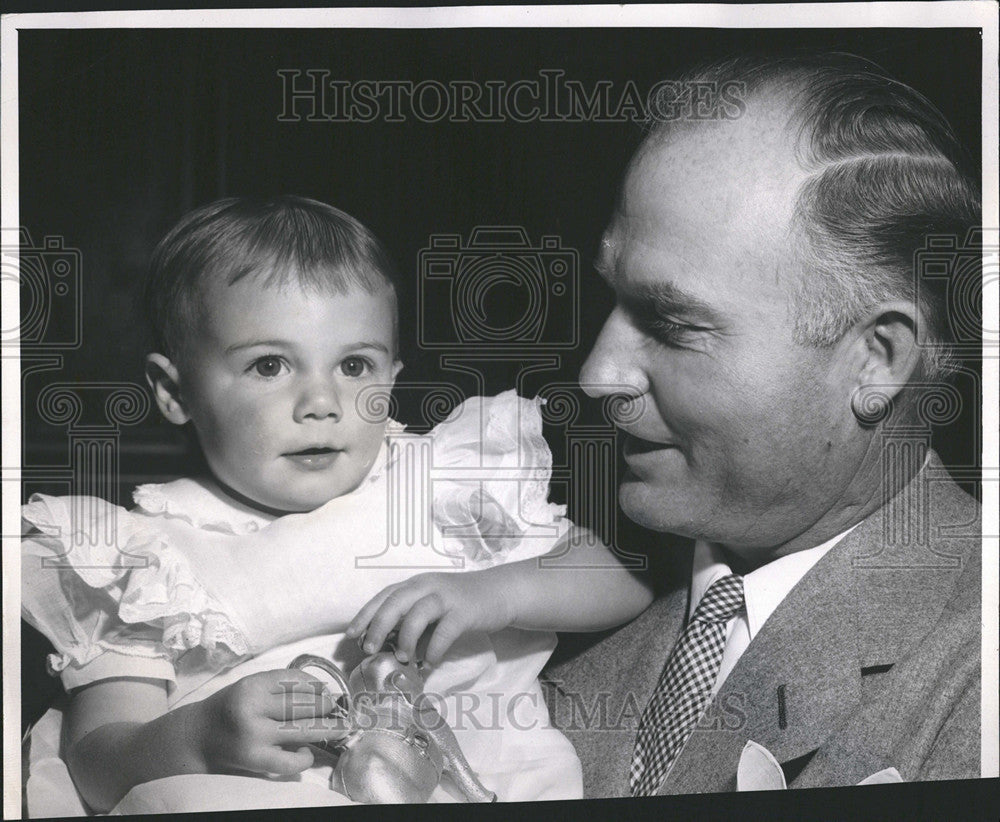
(778, 349)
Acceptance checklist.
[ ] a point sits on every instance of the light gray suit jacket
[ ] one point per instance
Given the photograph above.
(872, 661)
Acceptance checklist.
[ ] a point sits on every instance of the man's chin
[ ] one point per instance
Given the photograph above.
(654, 508)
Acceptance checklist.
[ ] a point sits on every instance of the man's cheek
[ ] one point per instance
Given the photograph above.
(742, 458)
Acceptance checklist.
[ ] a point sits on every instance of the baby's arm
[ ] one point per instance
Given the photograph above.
(556, 596)
(119, 733)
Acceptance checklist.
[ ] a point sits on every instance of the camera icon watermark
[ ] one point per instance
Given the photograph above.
(502, 293)
(964, 274)
(45, 279)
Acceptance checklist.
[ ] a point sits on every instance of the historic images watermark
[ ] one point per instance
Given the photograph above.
(315, 95)
(604, 712)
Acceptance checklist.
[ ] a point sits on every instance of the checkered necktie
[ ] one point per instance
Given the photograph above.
(684, 686)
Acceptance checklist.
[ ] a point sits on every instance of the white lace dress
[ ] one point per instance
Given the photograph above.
(195, 589)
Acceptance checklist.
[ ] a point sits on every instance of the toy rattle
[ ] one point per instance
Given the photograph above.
(399, 744)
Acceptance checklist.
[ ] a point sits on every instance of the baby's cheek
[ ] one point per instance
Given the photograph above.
(374, 435)
(250, 424)
(368, 440)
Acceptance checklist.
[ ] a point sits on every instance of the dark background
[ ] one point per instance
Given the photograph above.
(123, 131)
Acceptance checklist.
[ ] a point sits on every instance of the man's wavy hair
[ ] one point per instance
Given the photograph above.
(887, 176)
(279, 239)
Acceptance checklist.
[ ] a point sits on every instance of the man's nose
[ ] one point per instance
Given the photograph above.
(318, 400)
(612, 366)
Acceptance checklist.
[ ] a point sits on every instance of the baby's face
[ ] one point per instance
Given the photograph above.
(270, 381)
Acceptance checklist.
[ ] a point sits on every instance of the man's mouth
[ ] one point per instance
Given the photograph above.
(634, 446)
(314, 458)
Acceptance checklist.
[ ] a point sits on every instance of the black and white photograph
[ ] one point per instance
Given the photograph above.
(501, 404)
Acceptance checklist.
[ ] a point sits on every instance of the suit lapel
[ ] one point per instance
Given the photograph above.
(797, 676)
(862, 606)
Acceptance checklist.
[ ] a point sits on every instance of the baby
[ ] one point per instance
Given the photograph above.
(274, 320)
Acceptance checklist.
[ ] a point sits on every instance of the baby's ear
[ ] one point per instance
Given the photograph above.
(397, 366)
(163, 379)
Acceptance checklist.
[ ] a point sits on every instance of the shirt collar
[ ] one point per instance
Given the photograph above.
(763, 588)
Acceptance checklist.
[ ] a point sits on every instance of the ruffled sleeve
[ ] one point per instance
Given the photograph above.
(491, 471)
(113, 597)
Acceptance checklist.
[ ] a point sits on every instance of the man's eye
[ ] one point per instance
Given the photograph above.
(267, 366)
(353, 366)
(660, 327)
(667, 332)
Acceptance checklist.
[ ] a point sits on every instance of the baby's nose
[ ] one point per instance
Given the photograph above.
(318, 400)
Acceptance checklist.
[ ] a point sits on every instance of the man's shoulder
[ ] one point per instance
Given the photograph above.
(949, 490)
(931, 521)
(920, 713)
(910, 578)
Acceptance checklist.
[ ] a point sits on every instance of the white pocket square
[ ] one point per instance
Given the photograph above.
(760, 771)
(882, 777)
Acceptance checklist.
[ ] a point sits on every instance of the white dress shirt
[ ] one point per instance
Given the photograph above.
(763, 591)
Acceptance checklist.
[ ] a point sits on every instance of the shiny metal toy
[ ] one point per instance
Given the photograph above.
(399, 745)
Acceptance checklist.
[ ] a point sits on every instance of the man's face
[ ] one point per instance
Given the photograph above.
(745, 436)
(270, 381)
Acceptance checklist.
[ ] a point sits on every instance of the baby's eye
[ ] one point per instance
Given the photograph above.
(353, 366)
(267, 366)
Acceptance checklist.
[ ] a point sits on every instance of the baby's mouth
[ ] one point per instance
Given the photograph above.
(313, 458)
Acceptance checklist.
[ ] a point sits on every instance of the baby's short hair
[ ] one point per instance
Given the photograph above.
(283, 239)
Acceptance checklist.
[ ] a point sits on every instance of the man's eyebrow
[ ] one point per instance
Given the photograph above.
(667, 299)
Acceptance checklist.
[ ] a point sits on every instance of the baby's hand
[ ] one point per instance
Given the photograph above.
(263, 722)
(458, 603)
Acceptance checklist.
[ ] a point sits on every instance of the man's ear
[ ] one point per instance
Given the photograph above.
(163, 379)
(889, 359)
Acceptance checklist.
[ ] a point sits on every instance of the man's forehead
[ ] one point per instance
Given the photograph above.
(762, 147)
(693, 230)
(662, 281)
(718, 194)
(641, 246)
